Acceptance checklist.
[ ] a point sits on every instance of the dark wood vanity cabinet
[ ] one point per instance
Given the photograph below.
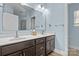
(16, 48)
(40, 47)
(19, 53)
(50, 44)
(29, 51)
(35, 47)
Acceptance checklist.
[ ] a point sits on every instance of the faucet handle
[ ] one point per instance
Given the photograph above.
(42, 31)
(16, 34)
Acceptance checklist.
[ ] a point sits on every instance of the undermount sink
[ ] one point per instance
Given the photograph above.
(20, 37)
(23, 37)
(17, 38)
(6, 39)
(10, 39)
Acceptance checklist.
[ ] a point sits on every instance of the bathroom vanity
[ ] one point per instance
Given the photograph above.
(40, 45)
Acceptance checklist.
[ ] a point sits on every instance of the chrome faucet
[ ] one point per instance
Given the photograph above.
(16, 34)
(42, 31)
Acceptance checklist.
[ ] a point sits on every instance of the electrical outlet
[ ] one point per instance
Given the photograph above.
(50, 25)
(41, 26)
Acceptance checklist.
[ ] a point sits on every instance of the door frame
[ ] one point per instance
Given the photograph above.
(66, 29)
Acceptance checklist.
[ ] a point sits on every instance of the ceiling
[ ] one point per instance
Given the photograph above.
(34, 5)
(20, 7)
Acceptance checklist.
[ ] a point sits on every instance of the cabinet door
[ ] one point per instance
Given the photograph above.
(29, 51)
(50, 44)
(40, 49)
(16, 54)
(48, 47)
(16, 47)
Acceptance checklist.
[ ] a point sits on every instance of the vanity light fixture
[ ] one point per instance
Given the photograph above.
(24, 4)
(40, 8)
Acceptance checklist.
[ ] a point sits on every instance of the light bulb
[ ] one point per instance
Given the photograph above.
(25, 4)
(42, 8)
(39, 6)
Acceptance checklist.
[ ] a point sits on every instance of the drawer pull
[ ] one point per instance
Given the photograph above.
(41, 48)
(41, 55)
(24, 54)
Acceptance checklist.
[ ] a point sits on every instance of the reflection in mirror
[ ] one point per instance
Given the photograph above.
(22, 25)
(33, 22)
(16, 17)
(21, 15)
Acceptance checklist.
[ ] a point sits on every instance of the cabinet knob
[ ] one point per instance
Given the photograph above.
(41, 48)
(41, 55)
(24, 54)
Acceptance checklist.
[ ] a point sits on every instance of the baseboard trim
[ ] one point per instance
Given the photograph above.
(63, 53)
(75, 47)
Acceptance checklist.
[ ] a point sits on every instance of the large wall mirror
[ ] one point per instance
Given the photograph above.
(17, 17)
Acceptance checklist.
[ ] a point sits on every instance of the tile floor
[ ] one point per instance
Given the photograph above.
(54, 54)
(73, 52)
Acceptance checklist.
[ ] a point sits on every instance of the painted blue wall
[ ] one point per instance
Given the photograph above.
(73, 30)
(56, 18)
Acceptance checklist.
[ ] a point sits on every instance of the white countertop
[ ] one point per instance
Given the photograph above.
(11, 40)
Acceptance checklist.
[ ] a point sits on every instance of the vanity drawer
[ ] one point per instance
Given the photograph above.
(16, 54)
(29, 51)
(40, 53)
(50, 37)
(40, 40)
(15, 47)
